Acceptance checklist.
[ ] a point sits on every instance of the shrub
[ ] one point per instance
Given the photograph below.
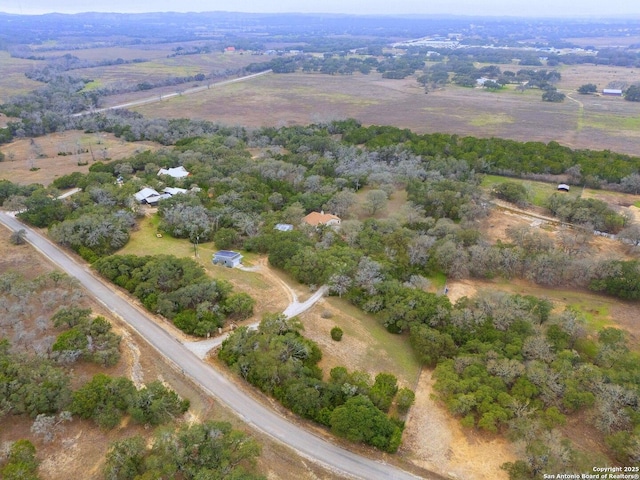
(513, 192)
(336, 333)
(18, 238)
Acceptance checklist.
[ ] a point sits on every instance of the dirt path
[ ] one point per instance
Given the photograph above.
(434, 440)
(528, 214)
(166, 96)
(262, 266)
(202, 347)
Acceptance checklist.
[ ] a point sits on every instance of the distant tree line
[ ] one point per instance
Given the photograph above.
(396, 67)
(57, 66)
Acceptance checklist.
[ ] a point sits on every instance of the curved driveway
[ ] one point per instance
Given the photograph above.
(336, 459)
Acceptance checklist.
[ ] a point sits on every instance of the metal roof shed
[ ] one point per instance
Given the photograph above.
(227, 258)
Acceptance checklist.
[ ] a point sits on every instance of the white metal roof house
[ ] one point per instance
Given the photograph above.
(150, 196)
(145, 193)
(153, 201)
(228, 258)
(174, 190)
(177, 172)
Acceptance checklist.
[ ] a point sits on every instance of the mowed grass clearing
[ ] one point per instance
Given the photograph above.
(366, 345)
(145, 241)
(538, 191)
(595, 309)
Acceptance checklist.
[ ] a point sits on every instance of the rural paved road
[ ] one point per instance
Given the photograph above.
(162, 98)
(336, 459)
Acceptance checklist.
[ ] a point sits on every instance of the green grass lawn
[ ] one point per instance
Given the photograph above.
(145, 241)
(594, 308)
(438, 281)
(538, 191)
(388, 352)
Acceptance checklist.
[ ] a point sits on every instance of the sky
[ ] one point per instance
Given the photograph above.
(546, 8)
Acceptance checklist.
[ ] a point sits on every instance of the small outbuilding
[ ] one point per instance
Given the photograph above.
(228, 258)
(284, 227)
(563, 187)
(177, 172)
(612, 92)
(174, 190)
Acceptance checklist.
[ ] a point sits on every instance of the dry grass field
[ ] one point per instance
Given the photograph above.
(37, 161)
(159, 67)
(593, 122)
(581, 121)
(13, 81)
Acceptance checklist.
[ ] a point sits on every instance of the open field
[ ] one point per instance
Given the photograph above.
(573, 76)
(593, 122)
(128, 52)
(581, 121)
(162, 67)
(13, 81)
(37, 160)
(603, 42)
(538, 191)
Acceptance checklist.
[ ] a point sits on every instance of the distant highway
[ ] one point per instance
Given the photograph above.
(339, 460)
(161, 98)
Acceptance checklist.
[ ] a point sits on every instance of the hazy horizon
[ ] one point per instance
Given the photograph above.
(542, 8)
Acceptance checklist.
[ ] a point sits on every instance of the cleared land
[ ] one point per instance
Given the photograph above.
(366, 346)
(581, 121)
(38, 160)
(593, 122)
(13, 81)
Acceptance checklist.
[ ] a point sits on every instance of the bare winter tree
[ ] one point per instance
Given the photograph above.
(48, 426)
(419, 249)
(340, 283)
(368, 275)
(376, 201)
(631, 234)
(18, 237)
(341, 202)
